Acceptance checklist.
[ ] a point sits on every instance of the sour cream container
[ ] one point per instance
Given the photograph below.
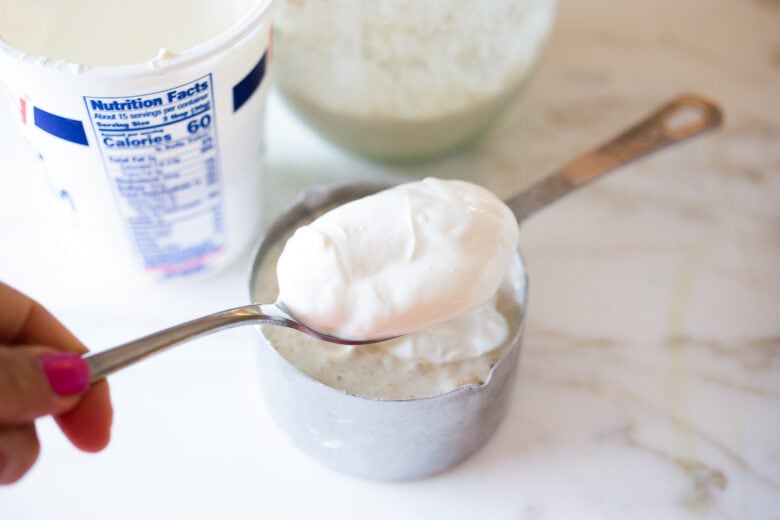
(157, 159)
(375, 438)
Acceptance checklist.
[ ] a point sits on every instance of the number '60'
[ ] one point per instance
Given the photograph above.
(196, 124)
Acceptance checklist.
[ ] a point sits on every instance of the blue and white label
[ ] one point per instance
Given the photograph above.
(160, 149)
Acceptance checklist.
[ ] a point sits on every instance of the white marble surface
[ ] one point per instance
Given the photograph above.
(650, 377)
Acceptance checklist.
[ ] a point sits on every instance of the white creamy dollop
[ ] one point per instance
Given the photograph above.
(163, 55)
(467, 336)
(411, 256)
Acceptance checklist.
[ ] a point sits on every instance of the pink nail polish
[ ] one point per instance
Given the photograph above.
(67, 372)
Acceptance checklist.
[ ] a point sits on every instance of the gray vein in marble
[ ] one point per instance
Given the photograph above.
(767, 347)
(735, 386)
(761, 354)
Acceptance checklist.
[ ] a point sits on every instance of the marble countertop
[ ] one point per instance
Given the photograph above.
(649, 382)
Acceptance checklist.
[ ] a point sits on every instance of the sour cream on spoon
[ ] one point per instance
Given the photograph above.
(399, 260)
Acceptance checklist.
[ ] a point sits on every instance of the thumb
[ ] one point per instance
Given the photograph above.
(37, 381)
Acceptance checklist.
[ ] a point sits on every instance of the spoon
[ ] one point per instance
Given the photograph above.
(104, 363)
(683, 117)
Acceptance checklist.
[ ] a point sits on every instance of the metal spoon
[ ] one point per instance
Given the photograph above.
(683, 117)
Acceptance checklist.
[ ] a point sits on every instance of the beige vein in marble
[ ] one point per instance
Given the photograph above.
(623, 395)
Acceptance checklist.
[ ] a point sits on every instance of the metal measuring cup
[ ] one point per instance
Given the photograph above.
(387, 439)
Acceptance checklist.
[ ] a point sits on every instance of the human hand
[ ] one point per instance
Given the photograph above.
(42, 373)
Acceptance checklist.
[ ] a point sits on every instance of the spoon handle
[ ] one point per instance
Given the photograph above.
(106, 362)
(683, 117)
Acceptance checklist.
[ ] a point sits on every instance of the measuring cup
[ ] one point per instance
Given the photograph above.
(390, 439)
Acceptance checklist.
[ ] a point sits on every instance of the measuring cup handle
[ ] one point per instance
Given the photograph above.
(683, 117)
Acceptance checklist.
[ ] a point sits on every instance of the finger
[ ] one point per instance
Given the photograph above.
(37, 381)
(31, 381)
(19, 449)
(88, 424)
(24, 321)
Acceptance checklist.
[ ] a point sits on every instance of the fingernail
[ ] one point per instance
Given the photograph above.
(67, 372)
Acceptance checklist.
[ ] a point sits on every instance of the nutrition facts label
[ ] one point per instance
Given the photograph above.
(160, 149)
